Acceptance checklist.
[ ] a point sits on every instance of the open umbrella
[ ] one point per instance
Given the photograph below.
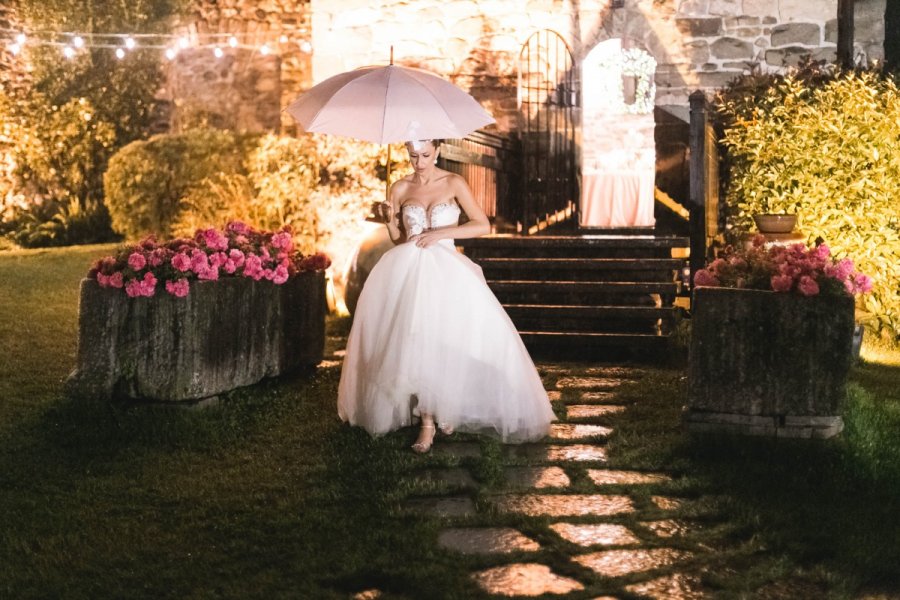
(388, 104)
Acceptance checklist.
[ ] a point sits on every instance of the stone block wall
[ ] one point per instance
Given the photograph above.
(244, 89)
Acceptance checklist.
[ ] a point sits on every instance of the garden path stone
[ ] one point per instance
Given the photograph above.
(571, 431)
(536, 477)
(452, 477)
(591, 411)
(554, 395)
(589, 383)
(537, 453)
(666, 503)
(565, 505)
(615, 563)
(667, 528)
(596, 398)
(608, 371)
(486, 540)
(677, 586)
(457, 449)
(604, 534)
(524, 579)
(611, 477)
(447, 506)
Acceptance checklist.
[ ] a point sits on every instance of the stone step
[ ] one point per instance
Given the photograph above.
(640, 347)
(610, 293)
(575, 246)
(556, 317)
(582, 269)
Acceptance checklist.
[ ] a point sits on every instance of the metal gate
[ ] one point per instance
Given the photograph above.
(548, 95)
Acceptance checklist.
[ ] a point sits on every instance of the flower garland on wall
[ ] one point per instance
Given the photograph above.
(632, 62)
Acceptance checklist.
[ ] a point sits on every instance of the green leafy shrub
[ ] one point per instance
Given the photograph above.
(147, 181)
(826, 147)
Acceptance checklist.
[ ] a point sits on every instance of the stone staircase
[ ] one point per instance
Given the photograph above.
(585, 296)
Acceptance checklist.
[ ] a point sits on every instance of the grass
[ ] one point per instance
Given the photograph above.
(268, 495)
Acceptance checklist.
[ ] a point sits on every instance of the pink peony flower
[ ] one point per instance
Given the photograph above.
(808, 286)
(137, 261)
(158, 257)
(218, 259)
(116, 280)
(133, 288)
(209, 273)
(283, 241)
(148, 285)
(238, 227)
(214, 239)
(237, 256)
(181, 262)
(103, 280)
(229, 266)
(862, 282)
(704, 278)
(280, 275)
(199, 261)
(179, 288)
(782, 283)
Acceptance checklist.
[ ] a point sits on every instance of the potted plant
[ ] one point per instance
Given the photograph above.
(190, 318)
(771, 342)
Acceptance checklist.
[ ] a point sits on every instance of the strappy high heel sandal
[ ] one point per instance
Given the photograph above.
(422, 447)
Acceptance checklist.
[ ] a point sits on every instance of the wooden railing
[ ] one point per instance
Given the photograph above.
(489, 163)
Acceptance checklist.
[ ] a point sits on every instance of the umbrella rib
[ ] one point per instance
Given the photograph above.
(387, 87)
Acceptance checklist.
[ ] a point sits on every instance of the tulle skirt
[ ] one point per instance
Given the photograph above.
(429, 336)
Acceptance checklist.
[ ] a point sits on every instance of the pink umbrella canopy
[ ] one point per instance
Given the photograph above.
(388, 104)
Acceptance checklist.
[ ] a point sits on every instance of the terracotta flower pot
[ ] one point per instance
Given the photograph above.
(775, 223)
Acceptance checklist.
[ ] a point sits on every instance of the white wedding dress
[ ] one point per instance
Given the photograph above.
(429, 336)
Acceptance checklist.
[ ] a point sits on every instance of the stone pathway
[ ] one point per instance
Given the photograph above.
(618, 528)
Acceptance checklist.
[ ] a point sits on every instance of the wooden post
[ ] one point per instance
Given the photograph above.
(698, 181)
(845, 18)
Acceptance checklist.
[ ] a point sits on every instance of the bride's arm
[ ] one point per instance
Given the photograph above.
(477, 225)
(393, 222)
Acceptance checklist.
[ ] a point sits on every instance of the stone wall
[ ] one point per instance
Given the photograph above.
(244, 89)
(698, 44)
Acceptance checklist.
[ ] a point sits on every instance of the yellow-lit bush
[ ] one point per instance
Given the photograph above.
(829, 151)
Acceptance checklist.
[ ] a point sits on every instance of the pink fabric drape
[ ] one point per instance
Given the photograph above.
(620, 199)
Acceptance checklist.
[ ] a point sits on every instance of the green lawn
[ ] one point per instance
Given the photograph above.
(268, 495)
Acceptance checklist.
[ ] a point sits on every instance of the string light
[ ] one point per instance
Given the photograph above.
(120, 43)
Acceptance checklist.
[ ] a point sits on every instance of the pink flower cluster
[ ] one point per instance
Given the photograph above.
(237, 251)
(794, 268)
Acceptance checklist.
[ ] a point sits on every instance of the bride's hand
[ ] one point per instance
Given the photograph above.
(427, 238)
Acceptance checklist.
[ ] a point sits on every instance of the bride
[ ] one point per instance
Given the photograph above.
(429, 339)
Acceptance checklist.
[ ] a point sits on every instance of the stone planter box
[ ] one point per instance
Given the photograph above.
(764, 363)
(225, 334)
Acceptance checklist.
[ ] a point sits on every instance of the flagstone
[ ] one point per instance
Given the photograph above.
(595, 534)
(589, 411)
(611, 477)
(554, 395)
(536, 477)
(452, 477)
(571, 431)
(446, 506)
(565, 505)
(667, 528)
(372, 594)
(596, 398)
(457, 449)
(524, 579)
(615, 563)
(666, 503)
(678, 586)
(486, 540)
(555, 453)
(589, 383)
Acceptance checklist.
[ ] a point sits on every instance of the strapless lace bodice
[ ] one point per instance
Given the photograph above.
(416, 219)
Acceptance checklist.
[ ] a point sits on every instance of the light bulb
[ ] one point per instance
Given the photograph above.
(183, 42)
(170, 53)
(68, 51)
(305, 46)
(15, 48)
(283, 39)
(120, 54)
(232, 41)
(218, 52)
(129, 43)
(78, 41)
(20, 39)
(264, 49)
